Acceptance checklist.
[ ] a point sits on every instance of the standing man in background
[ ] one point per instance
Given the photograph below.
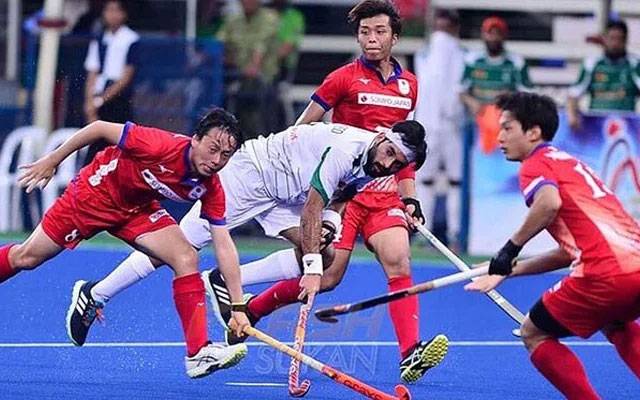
(251, 62)
(110, 66)
(612, 79)
(290, 35)
(488, 74)
(439, 67)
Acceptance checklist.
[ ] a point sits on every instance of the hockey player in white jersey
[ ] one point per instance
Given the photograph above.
(270, 179)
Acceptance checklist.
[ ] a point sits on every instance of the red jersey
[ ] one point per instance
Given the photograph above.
(591, 223)
(359, 96)
(148, 165)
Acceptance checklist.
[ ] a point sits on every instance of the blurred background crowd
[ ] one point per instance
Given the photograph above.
(163, 62)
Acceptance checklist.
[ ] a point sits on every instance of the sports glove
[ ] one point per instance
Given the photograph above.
(417, 212)
(331, 228)
(502, 263)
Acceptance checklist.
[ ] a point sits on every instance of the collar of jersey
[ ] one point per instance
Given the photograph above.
(397, 69)
(187, 179)
(539, 147)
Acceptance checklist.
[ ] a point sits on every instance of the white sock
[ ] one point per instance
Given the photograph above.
(275, 267)
(133, 269)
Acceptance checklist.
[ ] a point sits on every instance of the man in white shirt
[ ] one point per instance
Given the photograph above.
(439, 67)
(110, 66)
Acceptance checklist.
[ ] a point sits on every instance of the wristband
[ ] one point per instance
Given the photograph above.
(333, 217)
(312, 264)
(239, 307)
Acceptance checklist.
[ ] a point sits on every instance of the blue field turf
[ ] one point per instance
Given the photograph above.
(138, 353)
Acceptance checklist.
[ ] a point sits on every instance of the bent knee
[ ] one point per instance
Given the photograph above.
(531, 335)
(187, 261)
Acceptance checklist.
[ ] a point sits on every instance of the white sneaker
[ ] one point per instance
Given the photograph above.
(213, 357)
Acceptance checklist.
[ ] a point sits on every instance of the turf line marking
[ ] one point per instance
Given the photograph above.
(255, 384)
(467, 343)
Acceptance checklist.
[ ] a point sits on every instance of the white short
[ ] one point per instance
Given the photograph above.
(246, 198)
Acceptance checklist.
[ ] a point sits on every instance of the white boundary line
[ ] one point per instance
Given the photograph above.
(463, 343)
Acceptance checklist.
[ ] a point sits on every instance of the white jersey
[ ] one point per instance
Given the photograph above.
(318, 155)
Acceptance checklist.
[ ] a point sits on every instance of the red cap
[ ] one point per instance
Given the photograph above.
(497, 23)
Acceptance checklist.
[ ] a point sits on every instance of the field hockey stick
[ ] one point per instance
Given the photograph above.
(297, 389)
(496, 297)
(329, 314)
(402, 393)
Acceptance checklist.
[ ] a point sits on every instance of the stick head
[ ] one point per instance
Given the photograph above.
(300, 391)
(329, 314)
(403, 393)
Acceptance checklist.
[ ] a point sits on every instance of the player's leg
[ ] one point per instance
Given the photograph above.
(453, 168)
(626, 338)
(426, 183)
(391, 246)
(89, 298)
(34, 251)
(561, 313)
(170, 246)
(57, 231)
(624, 333)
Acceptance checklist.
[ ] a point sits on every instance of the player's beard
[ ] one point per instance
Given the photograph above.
(371, 167)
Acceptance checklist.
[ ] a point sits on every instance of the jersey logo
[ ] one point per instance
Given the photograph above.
(197, 192)
(385, 100)
(404, 87)
(164, 170)
(102, 171)
(160, 187)
(157, 215)
(364, 80)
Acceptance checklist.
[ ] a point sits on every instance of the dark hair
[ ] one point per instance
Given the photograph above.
(371, 8)
(219, 118)
(619, 25)
(121, 3)
(531, 110)
(413, 136)
(450, 15)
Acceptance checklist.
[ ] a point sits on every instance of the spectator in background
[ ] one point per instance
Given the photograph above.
(488, 74)
(439, 66)
(289, 36)
(110, 66)
(252, 62)
(612, 79)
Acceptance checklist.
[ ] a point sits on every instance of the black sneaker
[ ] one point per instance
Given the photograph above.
(424, 356)
(218, 295)
(83, 310)
(221, 304)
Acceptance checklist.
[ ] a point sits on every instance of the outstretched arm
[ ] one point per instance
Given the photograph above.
(545, 207)
(541, 263)
(38, 173)
(229, 264)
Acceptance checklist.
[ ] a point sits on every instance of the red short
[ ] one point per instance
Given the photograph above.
(586, 305)
(78, 215)
(369, 213)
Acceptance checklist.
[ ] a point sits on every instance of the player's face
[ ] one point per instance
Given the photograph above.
(615, 42)
(515, 143)
(113, 14)
(494, 41)
(376, 37)
(212, 152)
(384, 159)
